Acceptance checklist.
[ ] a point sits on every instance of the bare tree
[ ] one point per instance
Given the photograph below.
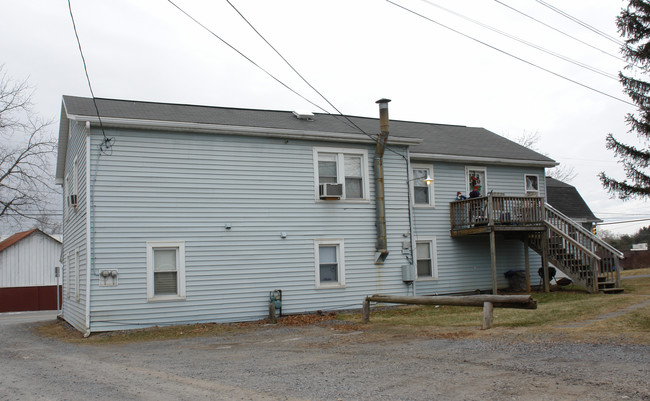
(27, 193)
(564, 173)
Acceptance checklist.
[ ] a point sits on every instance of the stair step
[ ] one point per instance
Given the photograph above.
(606, 284)
(615, 290)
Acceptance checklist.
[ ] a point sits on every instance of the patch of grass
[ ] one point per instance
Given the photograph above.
(635, 272)
(639, 286)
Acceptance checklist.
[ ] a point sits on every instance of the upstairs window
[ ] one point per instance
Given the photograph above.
(422, 191)
(347, 167)
(532, 183)
(476, 180)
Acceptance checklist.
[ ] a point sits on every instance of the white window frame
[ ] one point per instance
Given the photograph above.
(68, 273)
(429, 168)
(75, 181)
(179, 246)
(433, 252)
(484, 191)
(340, 248)
(526, 190)
(77, 275)
(67, 188)
(340, 166)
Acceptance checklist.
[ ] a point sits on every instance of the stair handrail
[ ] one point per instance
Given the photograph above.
(580, 228)
(574, 242)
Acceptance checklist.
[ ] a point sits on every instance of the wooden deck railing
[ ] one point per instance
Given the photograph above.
(495, 210)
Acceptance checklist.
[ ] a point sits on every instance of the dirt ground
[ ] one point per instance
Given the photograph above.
(321, 361)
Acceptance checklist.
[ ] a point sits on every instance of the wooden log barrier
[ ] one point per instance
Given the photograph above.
(488, 302)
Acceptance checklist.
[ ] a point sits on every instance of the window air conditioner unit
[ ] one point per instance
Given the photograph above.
(72, 200)
(331, 191)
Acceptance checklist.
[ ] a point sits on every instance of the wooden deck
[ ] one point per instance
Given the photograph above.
(497, 213)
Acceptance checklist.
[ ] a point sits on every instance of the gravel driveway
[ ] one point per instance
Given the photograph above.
(317, 363)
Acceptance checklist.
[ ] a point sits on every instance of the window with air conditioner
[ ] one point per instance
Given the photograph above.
(341, 174)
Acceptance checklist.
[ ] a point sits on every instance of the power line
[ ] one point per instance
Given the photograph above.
(530, 44)
(246, 57)
(560, 31)
(297, 73)
(512, 55)
(581, 23)
(623, 221)
(107, 143)
(351, 124)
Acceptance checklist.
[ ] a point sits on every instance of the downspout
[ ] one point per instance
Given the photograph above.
(382, 138)
(89, 249)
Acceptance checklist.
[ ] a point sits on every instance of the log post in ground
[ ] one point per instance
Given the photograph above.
(365, 311)
(272, 318)
(488, 315)
(488, 302)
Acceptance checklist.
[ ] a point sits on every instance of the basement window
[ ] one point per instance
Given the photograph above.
(166, 271)
(329, 264)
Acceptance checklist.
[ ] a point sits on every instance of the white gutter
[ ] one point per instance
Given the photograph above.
(479, 159)
(233, 129)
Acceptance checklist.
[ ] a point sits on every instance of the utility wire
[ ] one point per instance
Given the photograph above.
(512, 55)
(581, 23)
(351, 124)
(297, 73)
(560, 31)
(246, 57)
(106, 145)
(530, 44)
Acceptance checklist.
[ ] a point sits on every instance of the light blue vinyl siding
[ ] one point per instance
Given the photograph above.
(161, 186)
(74, 229)
(464, 262)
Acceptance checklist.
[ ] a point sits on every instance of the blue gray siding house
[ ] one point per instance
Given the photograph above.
(179, 214)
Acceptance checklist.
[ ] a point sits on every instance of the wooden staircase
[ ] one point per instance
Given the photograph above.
(589, 261)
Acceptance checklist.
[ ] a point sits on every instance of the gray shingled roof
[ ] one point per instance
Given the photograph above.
(439, 139)
(567, 199)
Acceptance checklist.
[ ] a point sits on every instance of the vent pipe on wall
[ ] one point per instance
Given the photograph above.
(381, 246)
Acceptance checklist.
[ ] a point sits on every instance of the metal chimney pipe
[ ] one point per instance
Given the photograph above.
(382, 138)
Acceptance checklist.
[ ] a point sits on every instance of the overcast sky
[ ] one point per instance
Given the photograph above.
(353, 52)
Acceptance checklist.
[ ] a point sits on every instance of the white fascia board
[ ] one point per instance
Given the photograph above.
(62, 148)
(485, 160)
(243, 130)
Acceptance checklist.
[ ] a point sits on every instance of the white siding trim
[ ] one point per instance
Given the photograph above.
(487, 160)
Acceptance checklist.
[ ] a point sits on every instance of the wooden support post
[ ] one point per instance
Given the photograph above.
(488, 315)
(493, 259)
(272, 318)
(527, 261)
(547, 288)
(365, 311)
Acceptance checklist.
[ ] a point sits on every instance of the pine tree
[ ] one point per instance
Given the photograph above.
(634, 26)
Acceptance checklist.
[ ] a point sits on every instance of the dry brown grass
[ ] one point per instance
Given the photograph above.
(556, 310)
